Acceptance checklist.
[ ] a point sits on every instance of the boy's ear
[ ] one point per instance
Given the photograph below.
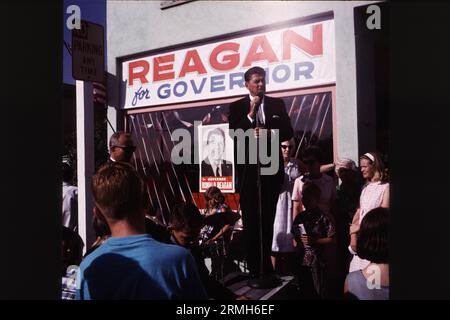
(98, 213)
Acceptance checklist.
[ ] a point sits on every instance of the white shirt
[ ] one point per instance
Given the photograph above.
(261, 109)
(214, 167)
(70, 206)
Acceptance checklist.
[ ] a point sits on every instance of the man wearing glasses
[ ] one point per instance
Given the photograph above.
(121, 147)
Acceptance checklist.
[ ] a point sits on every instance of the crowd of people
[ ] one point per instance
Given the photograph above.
(324, 224)
(318, 219)
(328, 235)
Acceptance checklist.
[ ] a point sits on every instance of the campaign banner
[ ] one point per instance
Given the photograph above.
(216, 154)
(293, 57)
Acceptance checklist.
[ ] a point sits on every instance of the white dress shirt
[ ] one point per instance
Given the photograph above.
(260, 111)
(262, 115)
(70, 206)
(215, 167)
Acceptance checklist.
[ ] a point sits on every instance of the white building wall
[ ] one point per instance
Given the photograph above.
(137, 26)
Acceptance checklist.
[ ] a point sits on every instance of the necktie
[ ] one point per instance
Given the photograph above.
(217, 172)
(260, 115)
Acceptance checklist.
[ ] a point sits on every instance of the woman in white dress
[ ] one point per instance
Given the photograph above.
(283, 250)
(374, 194)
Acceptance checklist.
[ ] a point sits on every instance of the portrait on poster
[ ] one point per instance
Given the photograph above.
(216, 158)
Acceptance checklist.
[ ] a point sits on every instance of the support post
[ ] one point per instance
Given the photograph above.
(85, 160)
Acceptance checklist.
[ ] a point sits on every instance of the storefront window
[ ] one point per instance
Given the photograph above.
(168, 183)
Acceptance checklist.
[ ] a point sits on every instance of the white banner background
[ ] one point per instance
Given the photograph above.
(193, 86)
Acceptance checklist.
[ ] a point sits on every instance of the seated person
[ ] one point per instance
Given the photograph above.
(184, 228)
(219, 218)
(372, 282)
(130, 264)
(216, 235)
(313, 231)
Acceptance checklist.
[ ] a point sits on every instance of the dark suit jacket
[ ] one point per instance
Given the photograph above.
(207, 170)
(276, 117)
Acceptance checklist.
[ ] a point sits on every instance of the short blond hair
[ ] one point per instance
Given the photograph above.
(118, 190)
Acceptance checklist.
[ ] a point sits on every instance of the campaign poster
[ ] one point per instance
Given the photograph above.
(216, 157)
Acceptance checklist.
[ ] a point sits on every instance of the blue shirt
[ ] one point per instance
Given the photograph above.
(139, 267)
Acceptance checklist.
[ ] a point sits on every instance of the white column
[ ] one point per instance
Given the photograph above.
(113, 90)
(346, 87)
(112, 118)
(85, 159)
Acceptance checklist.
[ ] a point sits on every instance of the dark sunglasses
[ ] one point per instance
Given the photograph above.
(127, 148)
(284, 146)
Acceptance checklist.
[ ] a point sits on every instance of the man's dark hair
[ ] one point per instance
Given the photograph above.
(67, 173)
(254, 70)
(372, 241)
(118, 190)
(313, 151)
(186, 217)
(114, 140)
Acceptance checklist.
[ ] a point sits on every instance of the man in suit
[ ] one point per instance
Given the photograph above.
(214, 165)
(270, 114)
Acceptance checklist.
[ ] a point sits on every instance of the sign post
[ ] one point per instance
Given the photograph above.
(87, 66)
(88, 62)
(85, 160)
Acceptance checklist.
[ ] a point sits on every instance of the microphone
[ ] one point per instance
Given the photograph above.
(254, 106)
(261, 95)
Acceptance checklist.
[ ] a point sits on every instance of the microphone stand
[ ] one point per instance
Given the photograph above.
(264, 281)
